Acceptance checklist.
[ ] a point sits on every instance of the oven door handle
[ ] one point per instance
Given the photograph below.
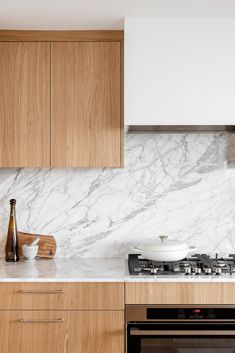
(137, 332)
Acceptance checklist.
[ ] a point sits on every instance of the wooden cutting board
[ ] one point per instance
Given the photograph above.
(46, 245)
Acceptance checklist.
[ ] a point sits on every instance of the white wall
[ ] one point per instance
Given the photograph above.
(180, 71)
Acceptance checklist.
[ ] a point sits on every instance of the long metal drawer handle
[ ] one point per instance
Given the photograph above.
(28, 321)
(136, 332)
(32, 291)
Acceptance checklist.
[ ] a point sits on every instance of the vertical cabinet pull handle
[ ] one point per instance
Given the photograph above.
(46, 321)
(43, 291)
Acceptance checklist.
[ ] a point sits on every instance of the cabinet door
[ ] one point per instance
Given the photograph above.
(85, 105)
(96, 332)
(24, 104)
(62, 331)
(33, 332)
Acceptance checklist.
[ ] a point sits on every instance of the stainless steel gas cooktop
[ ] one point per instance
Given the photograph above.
(198, 264)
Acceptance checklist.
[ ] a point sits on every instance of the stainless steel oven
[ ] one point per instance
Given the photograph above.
(180, 329)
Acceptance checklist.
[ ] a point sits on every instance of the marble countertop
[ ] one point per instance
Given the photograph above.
(64, 270)
(88, 270)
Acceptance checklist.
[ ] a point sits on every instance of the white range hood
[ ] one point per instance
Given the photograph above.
(180, 73)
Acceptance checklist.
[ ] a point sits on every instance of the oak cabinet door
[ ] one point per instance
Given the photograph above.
(24, 104)
(33, 332)
(62, 331)
(85, 104)
(96, 332)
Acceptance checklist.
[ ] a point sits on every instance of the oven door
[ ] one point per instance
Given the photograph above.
(166, 337)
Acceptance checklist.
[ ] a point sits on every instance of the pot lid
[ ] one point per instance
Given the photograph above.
(163, 244)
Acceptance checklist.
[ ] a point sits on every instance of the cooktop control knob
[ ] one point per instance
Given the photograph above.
(208, 271)
(197, 271)
(154, 270)
(187, 270)
(218, 271)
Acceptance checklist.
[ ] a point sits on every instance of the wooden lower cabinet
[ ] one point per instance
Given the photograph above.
(180, 293)
(62, 296)
(62, 331)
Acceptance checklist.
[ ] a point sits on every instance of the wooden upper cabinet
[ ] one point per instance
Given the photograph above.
(24, 104)
(85, 104)
(61, 101)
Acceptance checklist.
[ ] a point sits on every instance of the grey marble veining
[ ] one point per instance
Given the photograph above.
(175, 184)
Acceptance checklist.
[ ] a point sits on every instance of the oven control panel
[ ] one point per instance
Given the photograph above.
(195, 313)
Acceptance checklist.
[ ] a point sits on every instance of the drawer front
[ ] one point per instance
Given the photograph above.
(62, 296)
(62, 331)
(180, 293)
(32, 332)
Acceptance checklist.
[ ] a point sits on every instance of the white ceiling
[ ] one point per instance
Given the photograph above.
(101, 14)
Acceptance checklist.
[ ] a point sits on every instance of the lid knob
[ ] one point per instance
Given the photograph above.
(163, 237)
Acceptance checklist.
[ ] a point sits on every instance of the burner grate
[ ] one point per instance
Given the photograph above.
(199, 264)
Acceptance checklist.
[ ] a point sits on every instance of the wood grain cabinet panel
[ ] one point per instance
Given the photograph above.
(62, 331)
(24, 104)
(85, 104)
(180, 293)
(60, 36)
(62, 296)
(97, 332)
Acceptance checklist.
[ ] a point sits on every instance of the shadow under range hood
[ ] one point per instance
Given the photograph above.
(179, 74)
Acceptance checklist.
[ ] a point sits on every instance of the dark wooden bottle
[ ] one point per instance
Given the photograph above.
(12, 239)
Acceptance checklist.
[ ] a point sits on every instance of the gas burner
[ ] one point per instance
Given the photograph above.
(199, 264)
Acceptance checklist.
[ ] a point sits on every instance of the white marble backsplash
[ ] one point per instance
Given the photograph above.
(175, 184)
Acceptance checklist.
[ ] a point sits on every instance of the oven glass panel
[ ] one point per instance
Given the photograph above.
(187, 345)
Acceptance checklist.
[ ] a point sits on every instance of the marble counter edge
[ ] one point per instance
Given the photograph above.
(126, 279)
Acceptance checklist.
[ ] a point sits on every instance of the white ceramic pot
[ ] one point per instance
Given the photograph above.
(164, 250)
